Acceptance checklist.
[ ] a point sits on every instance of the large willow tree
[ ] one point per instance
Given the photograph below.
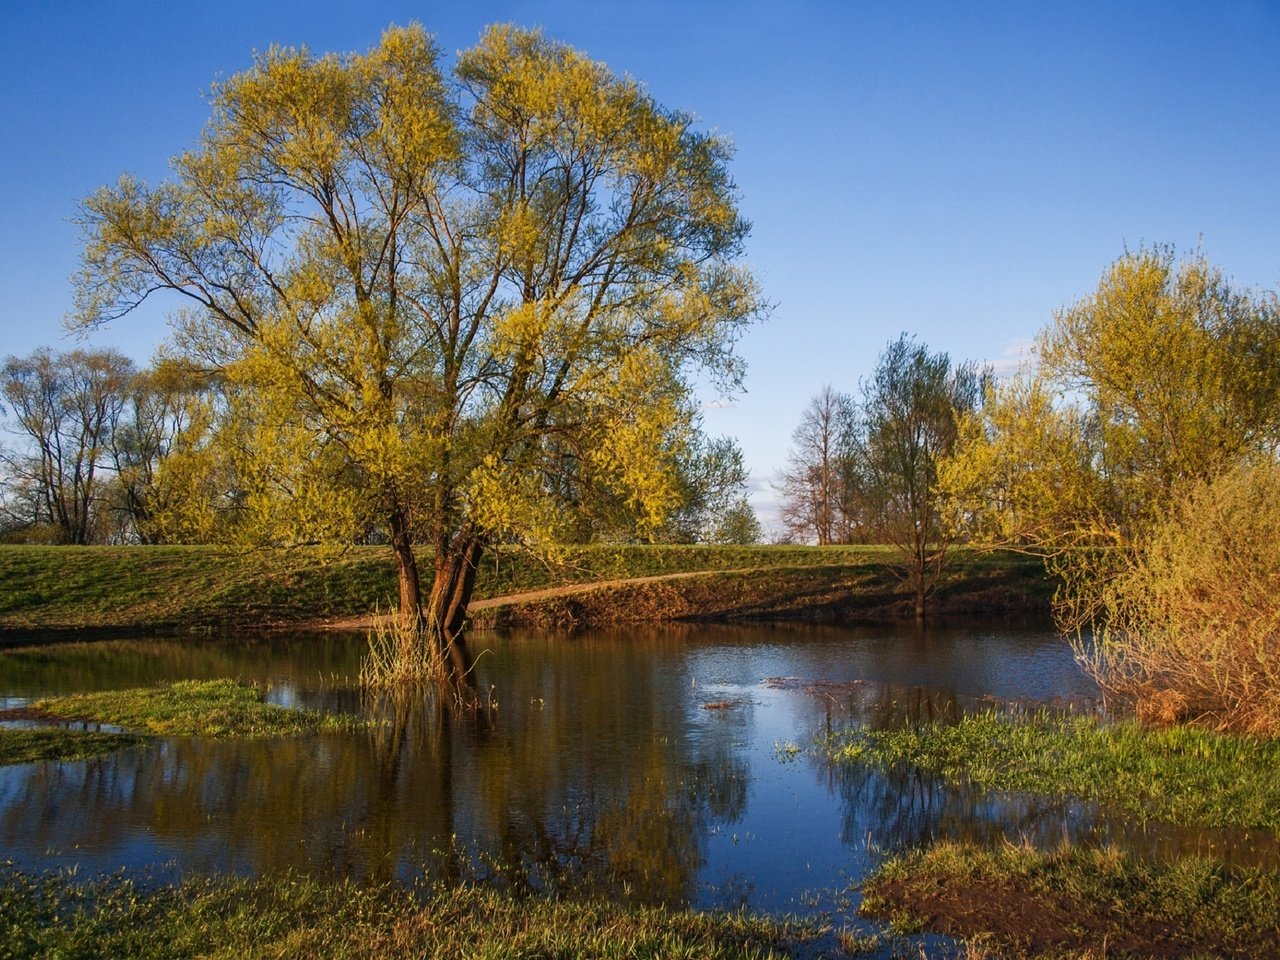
(440, 299)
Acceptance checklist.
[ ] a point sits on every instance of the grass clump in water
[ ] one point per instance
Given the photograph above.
(291, 916)
(400, 655)
(193, 708)
(1180, 774)
(40, 744)
(1015, 901)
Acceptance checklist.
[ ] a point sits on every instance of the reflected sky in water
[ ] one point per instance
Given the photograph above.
(600, 765)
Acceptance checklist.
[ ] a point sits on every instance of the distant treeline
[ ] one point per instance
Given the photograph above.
(102, 452)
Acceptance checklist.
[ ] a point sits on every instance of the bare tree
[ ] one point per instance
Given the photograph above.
(62, 407)
(155, 410)
(812, 488)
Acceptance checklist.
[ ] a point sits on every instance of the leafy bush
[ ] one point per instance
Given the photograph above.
(1192, 621)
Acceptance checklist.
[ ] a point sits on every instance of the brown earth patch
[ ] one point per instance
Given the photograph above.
(1034, 923)
(32, 715)
(834, 594)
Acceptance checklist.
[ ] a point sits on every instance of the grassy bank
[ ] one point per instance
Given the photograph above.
(297, 917)
(1180, 774)
(189, 708)
(1013, 901)
(123, 588)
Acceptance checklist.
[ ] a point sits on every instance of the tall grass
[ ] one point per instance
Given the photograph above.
(1191, 624)
(400, 655)
(405, 659)
(292, 916)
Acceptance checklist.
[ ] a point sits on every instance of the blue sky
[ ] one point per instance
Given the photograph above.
(957, 171)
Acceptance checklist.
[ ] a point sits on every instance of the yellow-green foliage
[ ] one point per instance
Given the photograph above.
(405, 319)
(1022, 472)
(1163, 375)
(1193, 619)
(1179, 371)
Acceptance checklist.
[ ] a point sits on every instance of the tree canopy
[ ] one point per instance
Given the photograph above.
(441, 301)
(1162, 377)
(909, 419)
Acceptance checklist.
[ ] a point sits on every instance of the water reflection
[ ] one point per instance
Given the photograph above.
(600, 764)
(585, 773)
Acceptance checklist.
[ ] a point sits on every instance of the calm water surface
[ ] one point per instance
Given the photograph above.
(600, 765)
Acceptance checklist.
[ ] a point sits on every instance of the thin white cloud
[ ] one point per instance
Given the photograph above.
(1017, 355)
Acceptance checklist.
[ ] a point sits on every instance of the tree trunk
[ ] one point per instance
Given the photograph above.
(920, 578)
(442, 619)
(407, 573)
(456, 561)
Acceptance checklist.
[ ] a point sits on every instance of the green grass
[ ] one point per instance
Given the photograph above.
(192, 708)
(1015, 901)
(54, 743)
(78, 587)
(199, 586)
(291, 916)
(1180, 774)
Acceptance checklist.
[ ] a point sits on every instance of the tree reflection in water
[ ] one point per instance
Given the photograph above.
(599, 767)
(585, 777)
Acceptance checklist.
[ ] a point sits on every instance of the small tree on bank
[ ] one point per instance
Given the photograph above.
(908, 422)
(441, 299)
(867, 471)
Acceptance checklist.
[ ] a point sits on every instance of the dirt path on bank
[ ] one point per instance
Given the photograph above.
(366, 621)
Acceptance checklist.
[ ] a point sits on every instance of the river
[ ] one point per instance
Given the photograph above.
(668, 764)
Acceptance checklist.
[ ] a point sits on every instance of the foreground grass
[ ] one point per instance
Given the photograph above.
(1013, 901)
(54, 743)
(73, 588)
(192, 708)
(1181, 774)
(297, 917)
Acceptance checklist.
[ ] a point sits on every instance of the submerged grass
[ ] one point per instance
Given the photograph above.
(292, 916)
(193, 708)
(1181, 774)
(40, 744)
(1015, 901)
